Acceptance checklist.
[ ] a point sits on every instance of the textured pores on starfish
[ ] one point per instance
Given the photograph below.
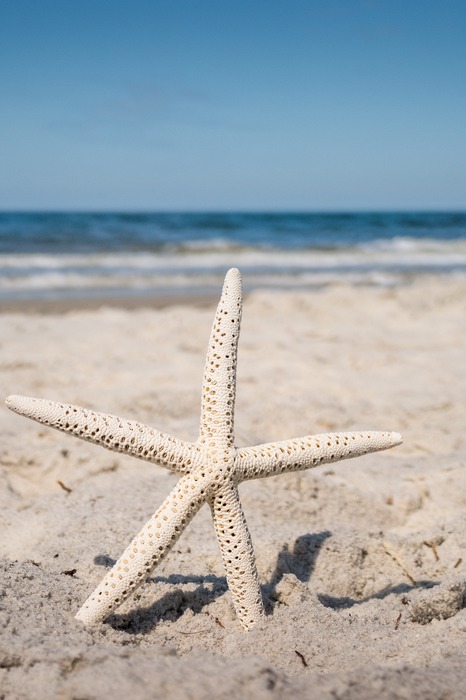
(237, 554)
(116, 434)
(147, 549)
(219, 381)
(211, 467)
(274, 458)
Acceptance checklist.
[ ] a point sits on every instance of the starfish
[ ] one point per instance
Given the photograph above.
(211, 469)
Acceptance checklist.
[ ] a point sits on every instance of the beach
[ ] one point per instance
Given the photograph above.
(362, 562)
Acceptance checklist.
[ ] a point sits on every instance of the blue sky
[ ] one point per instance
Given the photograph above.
(203, 104)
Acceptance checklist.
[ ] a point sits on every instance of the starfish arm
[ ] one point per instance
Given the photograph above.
(304, 453)
(147, 549)
(117, 434)
(238, 555)
(219, 382)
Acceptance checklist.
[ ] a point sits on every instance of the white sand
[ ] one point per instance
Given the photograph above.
(363, 563)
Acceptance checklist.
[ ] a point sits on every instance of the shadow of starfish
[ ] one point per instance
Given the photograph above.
(171, 606)
(345, 602)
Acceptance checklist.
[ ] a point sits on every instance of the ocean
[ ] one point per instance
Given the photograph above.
(62, 255)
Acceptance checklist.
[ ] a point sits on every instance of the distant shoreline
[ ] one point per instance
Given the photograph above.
(205, 296)
(84, 303)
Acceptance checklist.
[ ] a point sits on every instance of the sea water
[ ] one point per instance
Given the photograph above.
(58, 255)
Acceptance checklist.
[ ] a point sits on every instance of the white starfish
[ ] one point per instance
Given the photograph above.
(211, 469)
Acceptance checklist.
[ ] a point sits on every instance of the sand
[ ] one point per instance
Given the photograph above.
(363, 563)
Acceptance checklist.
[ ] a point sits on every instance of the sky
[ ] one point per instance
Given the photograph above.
(232, 105)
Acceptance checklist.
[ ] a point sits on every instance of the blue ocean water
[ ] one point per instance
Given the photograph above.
(54, 255)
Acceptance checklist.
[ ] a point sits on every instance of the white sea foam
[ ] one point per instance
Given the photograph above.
(198, 266)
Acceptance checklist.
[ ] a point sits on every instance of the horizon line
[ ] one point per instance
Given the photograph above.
(234, 210)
